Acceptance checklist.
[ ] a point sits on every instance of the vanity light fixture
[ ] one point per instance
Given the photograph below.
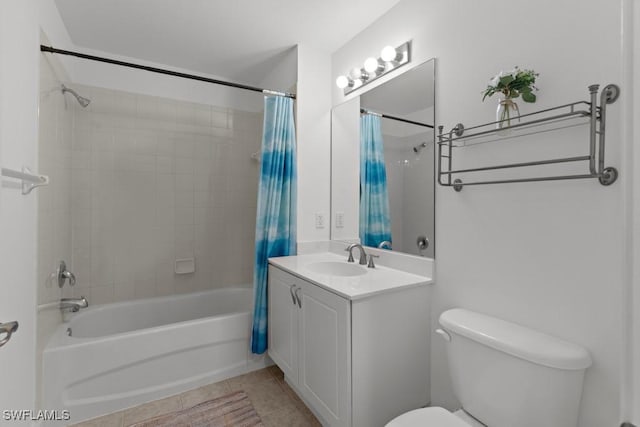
(359, 74)
(373, 65)
(390, 59)
(390, 54)
(344, 82)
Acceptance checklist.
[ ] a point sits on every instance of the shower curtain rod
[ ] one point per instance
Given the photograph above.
(400, 119)
(51, 49)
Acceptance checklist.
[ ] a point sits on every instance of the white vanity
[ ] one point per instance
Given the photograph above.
(352, 341)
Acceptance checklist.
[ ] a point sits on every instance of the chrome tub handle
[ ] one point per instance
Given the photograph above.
(64, 274)
(8, 329)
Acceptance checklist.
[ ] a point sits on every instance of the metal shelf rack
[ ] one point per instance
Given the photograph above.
(589, 112)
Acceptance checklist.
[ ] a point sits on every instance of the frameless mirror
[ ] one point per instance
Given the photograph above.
(382, 165)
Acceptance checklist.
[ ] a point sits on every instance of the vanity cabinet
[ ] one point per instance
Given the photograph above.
(354, 362)
(309, 340)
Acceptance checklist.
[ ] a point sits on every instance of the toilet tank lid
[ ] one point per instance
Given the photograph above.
(516, 340)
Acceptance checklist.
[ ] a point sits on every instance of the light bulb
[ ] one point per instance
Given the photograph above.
(371, 65)
(355, 73)
(388, 54)
(342, 82)
(357, 83)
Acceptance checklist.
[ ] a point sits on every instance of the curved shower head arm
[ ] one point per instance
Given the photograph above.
(81, 99)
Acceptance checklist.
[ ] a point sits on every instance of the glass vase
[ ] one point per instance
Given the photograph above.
(506, 113)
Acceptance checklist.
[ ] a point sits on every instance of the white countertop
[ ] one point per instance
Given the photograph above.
(376, 280)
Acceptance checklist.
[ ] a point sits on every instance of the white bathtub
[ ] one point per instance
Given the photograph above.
(120, 355)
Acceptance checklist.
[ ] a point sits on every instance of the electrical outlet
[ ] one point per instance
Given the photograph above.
(339, 219)
(319, 220)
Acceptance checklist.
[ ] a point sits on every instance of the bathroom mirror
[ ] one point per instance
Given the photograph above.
(395, 121)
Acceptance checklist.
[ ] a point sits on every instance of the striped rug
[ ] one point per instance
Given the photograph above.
(232, 410)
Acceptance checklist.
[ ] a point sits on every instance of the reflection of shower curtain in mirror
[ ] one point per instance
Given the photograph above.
(375, 222)
(276, 217)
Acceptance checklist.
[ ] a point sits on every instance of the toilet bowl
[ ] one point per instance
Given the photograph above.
(496, 365)
(436, 417)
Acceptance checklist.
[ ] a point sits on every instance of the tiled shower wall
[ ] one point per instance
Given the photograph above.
(154, 180)
(410, 183)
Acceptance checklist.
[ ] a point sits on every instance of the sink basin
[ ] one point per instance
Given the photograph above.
(336, 268)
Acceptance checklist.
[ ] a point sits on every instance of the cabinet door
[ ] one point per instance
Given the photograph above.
(325, 353)
(283, 323)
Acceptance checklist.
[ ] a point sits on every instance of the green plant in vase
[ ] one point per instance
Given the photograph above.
(511, 84)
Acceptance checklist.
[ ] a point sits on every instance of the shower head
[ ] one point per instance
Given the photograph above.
(81, 100)
(419, 147)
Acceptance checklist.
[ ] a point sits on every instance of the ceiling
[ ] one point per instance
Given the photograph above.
(237, 39)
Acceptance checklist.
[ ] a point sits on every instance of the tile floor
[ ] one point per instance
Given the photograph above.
(276, 403)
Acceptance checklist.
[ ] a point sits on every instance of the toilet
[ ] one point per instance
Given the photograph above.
(505, 375)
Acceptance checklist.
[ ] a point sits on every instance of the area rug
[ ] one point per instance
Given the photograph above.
(232, 410)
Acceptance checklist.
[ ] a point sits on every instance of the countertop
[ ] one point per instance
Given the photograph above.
(376, 281)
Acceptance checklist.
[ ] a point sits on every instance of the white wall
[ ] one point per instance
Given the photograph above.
(633, 136)
(284, 75)
(345, 169)
(546, 255)
(314, 142)
(631, 307)
(56, 34)
(18, 147)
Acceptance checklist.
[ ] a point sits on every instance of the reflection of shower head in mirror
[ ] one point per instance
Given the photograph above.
(419, 147)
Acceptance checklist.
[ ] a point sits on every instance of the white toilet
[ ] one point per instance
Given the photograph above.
(505, 375)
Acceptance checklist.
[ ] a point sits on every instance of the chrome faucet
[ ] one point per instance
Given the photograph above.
(363, 254)
(73, 304)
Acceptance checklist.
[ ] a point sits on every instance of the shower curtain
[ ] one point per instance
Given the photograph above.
(276, 214)
(375, 221)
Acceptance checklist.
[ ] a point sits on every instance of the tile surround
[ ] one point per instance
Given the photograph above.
(153, 180)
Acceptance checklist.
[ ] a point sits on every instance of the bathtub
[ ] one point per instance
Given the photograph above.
(123, 354)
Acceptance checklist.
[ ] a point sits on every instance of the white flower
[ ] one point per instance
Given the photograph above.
(494, 81)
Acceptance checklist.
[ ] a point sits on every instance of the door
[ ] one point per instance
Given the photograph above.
(283, 322)
(325, 353)
(18, 142)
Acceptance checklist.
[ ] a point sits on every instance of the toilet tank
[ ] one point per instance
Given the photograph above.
(507, 375)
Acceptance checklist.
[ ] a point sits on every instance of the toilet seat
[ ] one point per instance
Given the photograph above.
(427, 417)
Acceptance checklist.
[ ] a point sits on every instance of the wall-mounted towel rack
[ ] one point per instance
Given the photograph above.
(560, 116)
(29, 180)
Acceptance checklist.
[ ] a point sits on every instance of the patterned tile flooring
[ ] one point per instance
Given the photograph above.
(276, 403)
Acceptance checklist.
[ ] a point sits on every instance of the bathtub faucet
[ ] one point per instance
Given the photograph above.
(73, 304)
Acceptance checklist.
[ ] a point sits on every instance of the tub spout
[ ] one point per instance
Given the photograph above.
(73, 304)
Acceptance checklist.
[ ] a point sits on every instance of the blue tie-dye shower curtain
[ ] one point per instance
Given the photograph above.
(375, 221)
(276, 215)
